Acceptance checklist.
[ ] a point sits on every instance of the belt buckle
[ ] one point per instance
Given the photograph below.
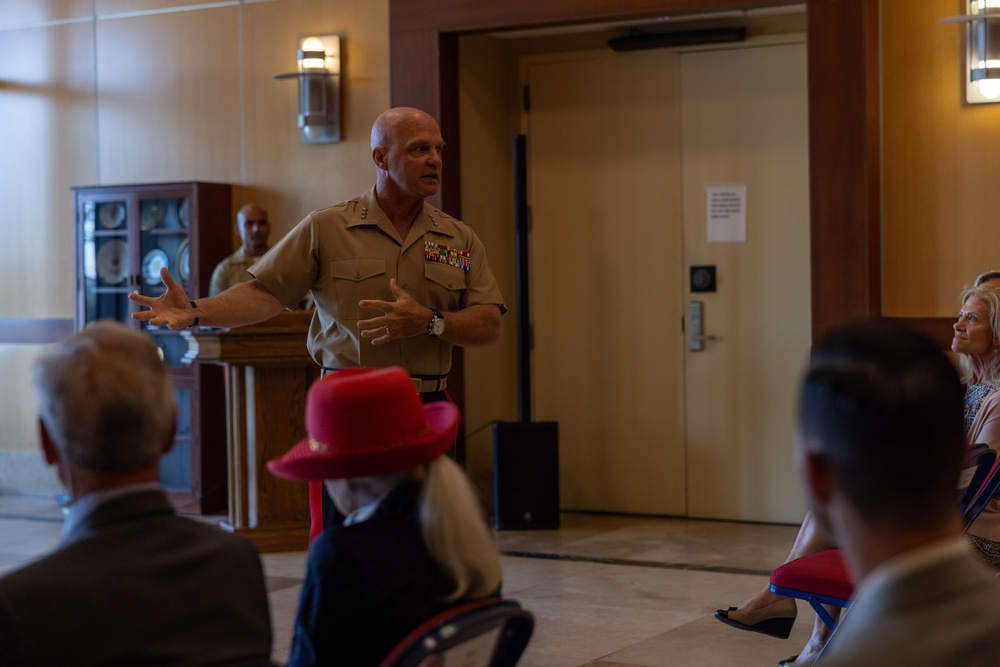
(425, 386)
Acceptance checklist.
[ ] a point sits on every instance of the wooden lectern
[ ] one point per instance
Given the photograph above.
(268, 373)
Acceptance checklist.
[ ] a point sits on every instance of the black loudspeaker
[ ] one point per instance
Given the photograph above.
(526, 475)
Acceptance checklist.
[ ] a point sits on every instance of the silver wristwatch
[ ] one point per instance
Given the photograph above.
(436, 327)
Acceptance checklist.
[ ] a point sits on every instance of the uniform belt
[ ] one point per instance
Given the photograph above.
(424, 384)
(430, 385)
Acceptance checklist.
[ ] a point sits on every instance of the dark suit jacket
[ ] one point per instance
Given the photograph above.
(136, 584)
(945, 613)
(367, 586)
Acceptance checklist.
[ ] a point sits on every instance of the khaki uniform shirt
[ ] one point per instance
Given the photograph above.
(231, 271)
(348, 252)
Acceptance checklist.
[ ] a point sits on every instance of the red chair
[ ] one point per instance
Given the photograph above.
(822, 579)
(483, 633)
(819, 579)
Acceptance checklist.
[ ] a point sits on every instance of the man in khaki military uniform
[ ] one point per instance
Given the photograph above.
(395, 280)
(253, 228)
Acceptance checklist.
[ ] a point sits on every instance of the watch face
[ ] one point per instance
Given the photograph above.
(437, 324)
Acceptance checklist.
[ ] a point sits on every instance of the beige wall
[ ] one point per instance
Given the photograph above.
(488, 89)
(941, 195)
(119, 91)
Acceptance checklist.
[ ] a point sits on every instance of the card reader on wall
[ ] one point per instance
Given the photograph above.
(703, 278)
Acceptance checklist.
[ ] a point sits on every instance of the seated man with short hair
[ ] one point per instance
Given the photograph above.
(132, 583)
(881, 440)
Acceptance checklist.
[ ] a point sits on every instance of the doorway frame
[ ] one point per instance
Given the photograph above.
(844, 111)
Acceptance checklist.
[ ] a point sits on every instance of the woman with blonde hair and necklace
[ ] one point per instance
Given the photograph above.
(977, 342)
(414, 540)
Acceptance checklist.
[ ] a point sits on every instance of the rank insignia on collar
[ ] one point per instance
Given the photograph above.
(435, 252)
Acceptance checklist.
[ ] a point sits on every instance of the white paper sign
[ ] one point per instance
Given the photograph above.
(726, 210)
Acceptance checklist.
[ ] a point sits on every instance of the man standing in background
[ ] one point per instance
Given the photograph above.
(253, 228)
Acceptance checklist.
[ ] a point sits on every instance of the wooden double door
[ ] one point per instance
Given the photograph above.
(622, 150)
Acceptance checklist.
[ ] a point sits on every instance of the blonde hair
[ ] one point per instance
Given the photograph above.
(990, 297)
(455, 531)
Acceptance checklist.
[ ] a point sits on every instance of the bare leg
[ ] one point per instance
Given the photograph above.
(818, 638)
(808, 541)
(767, 612)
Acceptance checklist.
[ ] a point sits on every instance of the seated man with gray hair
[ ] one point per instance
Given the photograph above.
(132, 583)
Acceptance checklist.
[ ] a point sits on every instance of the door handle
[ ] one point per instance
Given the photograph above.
(696, 334)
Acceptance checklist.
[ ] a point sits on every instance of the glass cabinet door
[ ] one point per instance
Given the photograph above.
(124, 236)
(163, 242)
(106, 259)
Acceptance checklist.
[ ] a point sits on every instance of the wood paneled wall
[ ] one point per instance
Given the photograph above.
(117, 91)
(941, 165)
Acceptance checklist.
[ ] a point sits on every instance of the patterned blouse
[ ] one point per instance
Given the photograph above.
(974, 395)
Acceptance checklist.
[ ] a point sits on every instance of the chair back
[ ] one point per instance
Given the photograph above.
(483, 633)
(984, 494)
(978, 465)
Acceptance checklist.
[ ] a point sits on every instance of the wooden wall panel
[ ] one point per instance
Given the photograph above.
(286, 176)
(47, 110)
(47, 117)
(22, 466)
(471, 16)
(844, 177)
(22, 14)
(111, 7)
(940, 194)
(169, 97)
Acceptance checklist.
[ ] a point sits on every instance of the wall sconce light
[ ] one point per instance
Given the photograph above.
(982, 62)
(319, 88)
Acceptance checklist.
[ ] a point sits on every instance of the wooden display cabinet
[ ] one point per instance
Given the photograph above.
(124, 234)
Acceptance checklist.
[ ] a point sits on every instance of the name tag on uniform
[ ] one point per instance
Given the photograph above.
(442, 254)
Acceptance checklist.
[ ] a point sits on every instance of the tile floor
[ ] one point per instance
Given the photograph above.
(606, 591)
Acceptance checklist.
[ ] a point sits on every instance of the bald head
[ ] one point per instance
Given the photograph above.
(395, 122)
(253, 227)
(252, 209)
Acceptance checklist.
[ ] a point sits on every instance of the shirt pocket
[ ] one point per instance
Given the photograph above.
(357, 278)
(445, 285)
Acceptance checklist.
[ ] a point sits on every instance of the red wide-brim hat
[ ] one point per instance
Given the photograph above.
(363, 422)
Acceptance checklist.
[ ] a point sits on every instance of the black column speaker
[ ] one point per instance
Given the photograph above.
(526, 475)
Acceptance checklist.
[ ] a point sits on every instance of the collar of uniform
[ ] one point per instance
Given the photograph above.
(430, 219)
(366, 210)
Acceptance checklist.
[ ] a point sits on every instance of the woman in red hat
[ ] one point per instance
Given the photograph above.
(414, 541)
